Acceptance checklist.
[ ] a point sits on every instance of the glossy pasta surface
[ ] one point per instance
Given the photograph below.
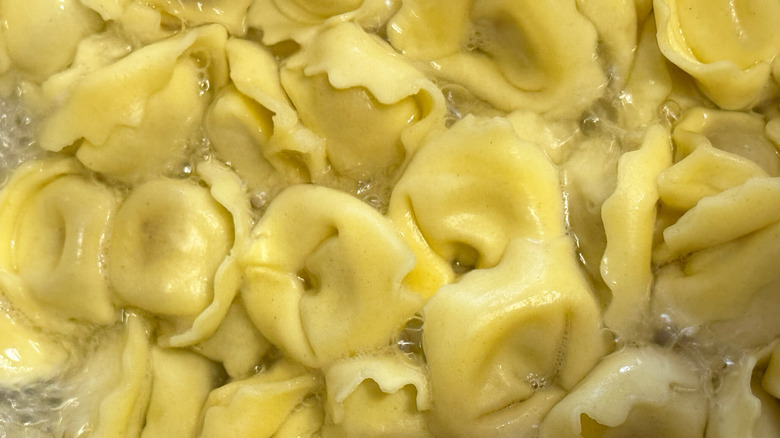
(389, 218)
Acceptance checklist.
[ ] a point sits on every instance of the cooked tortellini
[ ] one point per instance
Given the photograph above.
(151, 103)
(323, 278)
(505, 344)
(728, 47)
(36, 47)
(347, 80)
(726, 208)
(382, 395)
(276, 396)
(509, 53)
(457, 215)
(55, 222)
(389, 218)
(644, 391)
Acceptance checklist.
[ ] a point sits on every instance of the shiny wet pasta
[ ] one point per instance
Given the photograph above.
(370, 218)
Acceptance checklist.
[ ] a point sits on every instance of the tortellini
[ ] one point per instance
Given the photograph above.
(505, 344)
(323, 276)
(382, 395)
(746, 399)
(277, 395)
(457, 214)
(55, 222)
(718, 258)
(389, 218)
(727, 46)
(171, 251)
(181, 383)
(347, 80)
(629, 219)
(643, 391)
(145, 128)
(515, 55)
(169, 238)
(300, 20)
(34, 45)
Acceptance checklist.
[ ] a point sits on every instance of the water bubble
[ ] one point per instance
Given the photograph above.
(536, 381)
(670, 112)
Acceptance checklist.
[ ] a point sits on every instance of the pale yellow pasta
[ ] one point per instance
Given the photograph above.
(347, 80)
(646, 391)
(296, 152)
(27, 353)
(515, 55)
(467, 193)
(736, 281)
(323, 276)
(169, 238)
(648, 84)
(726, 216)
(505, 344)
(121, 411)
(381, 395)
(228, 13)
(273, 394)
(726, 45)
(181, 382)
(629, 218)
(238, 128)
(237, 343)
(741, 405)
(55, 221)
(389, 218)
(715, 151)
(33, 44)
(227, 190)
(174, 251)
(137, 21)
(300, 20)
(122, 111)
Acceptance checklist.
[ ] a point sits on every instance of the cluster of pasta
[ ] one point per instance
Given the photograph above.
(398, 218)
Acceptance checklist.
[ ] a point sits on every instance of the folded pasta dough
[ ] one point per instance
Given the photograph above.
(323, 276)
(169, 239)
(27, 353)
(648, 84)
(300, 20)
(272, 397)
(238, 128)
(378, 395)
(137, 116)
(228, 191)
(727, 46)
(346, 81)
(514, 55)
(296, 152)
(237, 343)
(505, 344)
(34, 45)
(715, 151)
(729, 292)
(739, 133)
(138, 22)
(644, 391)
(181, 383)
(467, 193)
(122, 409)
(629, 216)
(726, 216)
(228, 13)
(54, 221)
(742, 405)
